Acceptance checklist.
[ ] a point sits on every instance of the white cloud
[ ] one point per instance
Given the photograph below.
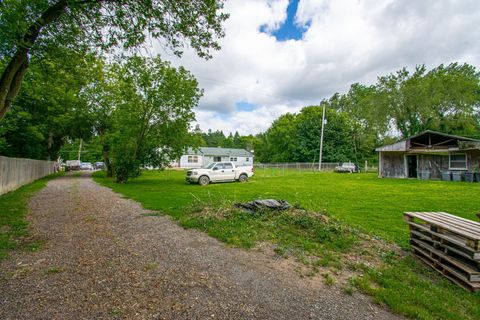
(245, 122)
(348, 41)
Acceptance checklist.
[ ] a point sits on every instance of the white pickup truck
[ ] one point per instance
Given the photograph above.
(219, 171)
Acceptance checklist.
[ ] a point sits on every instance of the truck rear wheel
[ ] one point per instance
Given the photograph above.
(203, 180)
(243, 177)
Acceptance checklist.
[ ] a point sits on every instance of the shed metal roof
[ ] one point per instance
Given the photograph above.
(226, 152)
(402, 145)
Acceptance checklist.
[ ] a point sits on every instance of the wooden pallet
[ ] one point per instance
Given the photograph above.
(463, 230)
(447, 243)
(464, 269)
(445, 271)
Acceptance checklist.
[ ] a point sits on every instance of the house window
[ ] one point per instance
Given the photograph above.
(192, 159)
(458, 162)
(217, 159)
(247, 159)
(233, 159)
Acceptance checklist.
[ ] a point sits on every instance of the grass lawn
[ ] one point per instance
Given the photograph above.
(13, 209)
(361, 201)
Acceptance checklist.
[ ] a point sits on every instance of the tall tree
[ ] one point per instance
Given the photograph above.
(434, 99)
(279, 140)
(296, 138)
(214, 138)
(50, 109)
(153, 110)
(27, 27)
(339, 136)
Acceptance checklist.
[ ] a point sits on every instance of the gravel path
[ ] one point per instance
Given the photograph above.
(104, 259)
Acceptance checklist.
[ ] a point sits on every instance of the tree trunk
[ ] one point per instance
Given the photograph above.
(105, 151)
(12, 76)
(106, 159)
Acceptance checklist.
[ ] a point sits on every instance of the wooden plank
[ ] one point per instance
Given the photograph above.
(461, 218)
(452, 224)
(452, 240)
(424, 257)
(469, 272)
(453, 220)
(440, 224)
(456, 222)
(444, 215)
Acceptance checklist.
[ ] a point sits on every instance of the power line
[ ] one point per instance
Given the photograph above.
(240, 88)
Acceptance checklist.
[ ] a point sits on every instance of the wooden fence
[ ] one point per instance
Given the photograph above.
(15, 172)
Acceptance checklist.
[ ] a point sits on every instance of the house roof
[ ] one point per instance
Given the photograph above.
(226, 152)
(405, 144)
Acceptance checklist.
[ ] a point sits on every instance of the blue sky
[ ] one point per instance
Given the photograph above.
(288, 30)
(244, 106)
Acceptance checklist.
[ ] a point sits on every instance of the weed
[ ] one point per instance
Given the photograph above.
(35, 246)
(150, 266)
(53, 270)
(152, 214)
(349, 290)
(281, 251)
(329, 259)
(329, 280)
(90, 218)
(116, 312)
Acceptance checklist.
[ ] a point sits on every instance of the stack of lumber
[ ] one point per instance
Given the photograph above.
(449, 244)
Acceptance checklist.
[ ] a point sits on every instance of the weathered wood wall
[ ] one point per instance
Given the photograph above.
(473, 160)
(392, 165)
(433, 163)
(15, 172)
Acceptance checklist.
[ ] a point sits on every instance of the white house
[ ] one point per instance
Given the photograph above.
(206, 155)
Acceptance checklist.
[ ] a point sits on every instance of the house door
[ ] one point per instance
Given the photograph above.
(412, 164)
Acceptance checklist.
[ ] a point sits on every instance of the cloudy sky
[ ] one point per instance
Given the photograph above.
(280, 55)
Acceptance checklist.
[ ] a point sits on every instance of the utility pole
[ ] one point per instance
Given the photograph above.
(321, 140)
(80, 149)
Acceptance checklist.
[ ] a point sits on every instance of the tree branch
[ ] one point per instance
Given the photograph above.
(12, 76)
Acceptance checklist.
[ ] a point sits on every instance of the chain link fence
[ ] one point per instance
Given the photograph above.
(312, 166)
(298, 166)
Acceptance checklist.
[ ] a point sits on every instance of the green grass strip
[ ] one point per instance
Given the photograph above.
(13, 210)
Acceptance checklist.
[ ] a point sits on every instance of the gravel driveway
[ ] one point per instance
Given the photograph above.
(103, 258)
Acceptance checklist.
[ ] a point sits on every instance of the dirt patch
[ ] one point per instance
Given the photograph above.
(330, 266)
(369, 253)
(105, 258)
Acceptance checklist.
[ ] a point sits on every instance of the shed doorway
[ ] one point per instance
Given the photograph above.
(412, 166)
